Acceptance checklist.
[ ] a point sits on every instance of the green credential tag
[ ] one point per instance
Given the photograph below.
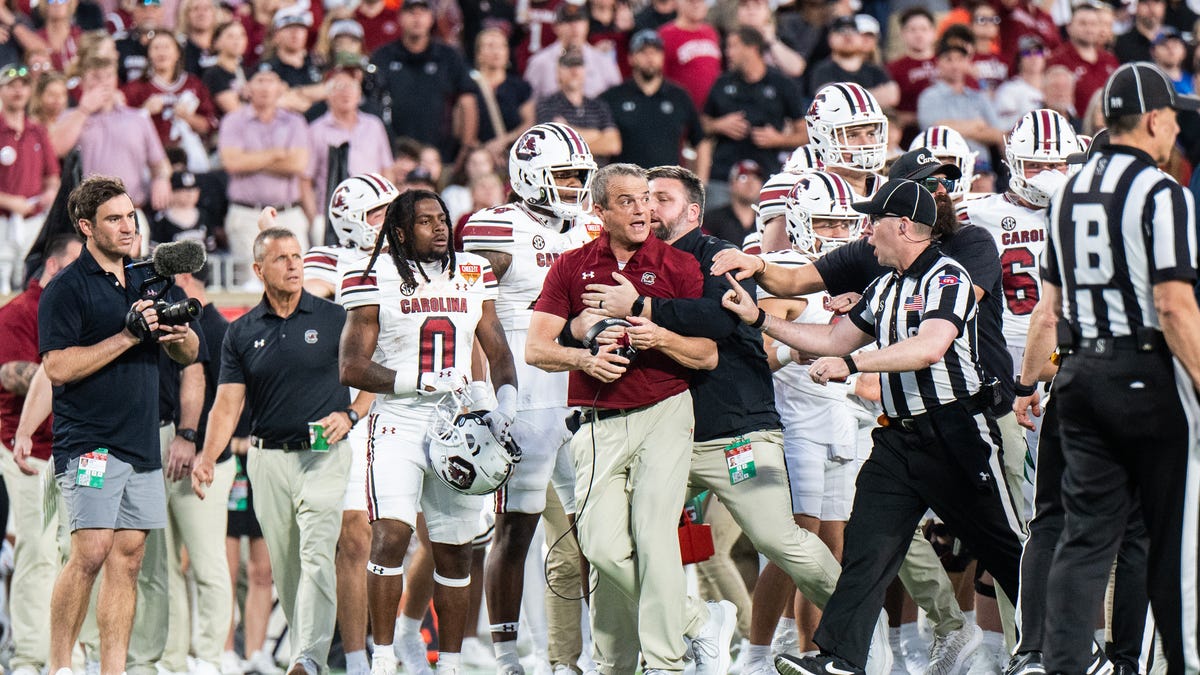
(239, 493)
(91, 468)
(739, 458)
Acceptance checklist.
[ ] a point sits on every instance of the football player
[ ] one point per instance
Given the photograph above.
(356, 212)
(551, 170)
(849, 132)
(771, 199)
(948, 145)
(418, 310)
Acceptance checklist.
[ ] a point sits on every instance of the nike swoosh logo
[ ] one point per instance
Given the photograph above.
(834, 670)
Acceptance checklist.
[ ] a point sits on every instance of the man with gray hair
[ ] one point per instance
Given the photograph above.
(633, 448)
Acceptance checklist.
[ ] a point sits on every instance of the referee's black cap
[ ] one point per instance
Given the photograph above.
(1140, 87)
(900, 197)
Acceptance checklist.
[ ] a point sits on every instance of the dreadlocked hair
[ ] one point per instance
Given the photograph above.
(400, 219)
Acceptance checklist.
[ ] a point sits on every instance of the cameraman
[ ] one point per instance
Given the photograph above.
(99, 341)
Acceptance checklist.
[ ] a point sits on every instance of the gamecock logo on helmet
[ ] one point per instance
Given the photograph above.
(528, 145)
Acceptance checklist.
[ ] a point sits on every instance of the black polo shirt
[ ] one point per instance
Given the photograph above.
(738, 396)
(653, 127)
(117, 406)
(289, 366)
(851, 268)
(419, 91)
(771, 101)
(215, 326)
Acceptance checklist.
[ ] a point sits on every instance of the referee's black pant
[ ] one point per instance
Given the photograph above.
(1129, 588)
(1129, 424)
(950, 461)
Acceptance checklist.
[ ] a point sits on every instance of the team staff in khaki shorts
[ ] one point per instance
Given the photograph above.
(97, 339)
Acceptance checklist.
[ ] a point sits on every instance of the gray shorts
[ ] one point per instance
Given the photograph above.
(129, 500)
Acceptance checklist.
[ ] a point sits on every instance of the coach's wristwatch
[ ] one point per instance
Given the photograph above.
(352, 415)
(188, 435)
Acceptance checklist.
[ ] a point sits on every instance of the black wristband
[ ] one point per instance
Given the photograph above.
(638, 306)
(762, 316)
(188, 435)
(352, 415)
(849, 360)
(1023, 389)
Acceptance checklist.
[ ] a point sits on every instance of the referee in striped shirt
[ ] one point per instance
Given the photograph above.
(1120, 263)
(936, 448)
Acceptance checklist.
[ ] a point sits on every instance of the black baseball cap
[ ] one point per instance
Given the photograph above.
(413, 4)
(647, 37)
(843, 23)
(1099, 142)
(1140, 87)
(568, 12)
(921, 163)
(901, 197)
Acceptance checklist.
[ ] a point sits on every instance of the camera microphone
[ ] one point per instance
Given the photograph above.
(176, 257)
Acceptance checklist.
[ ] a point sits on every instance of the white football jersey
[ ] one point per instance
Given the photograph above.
(423, 329)
(321, 263)
(1020, 235)
(820, 413)
(534, 242)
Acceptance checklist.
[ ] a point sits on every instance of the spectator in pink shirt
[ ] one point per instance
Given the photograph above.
(571, 28)
(370, 151)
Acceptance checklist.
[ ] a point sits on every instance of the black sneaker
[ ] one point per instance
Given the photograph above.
(821, 664)
(1100, 664)
(1025, 663)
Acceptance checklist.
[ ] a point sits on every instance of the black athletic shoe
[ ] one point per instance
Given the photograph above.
(1025, 663)
(821, 664)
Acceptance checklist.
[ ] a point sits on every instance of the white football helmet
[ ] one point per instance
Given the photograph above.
(772, 198)
(837, 108)
(1039, 136)
(804, 158)
(540, 153)
(820, 195)
(352, 200)
(463, 452)
(950, 147)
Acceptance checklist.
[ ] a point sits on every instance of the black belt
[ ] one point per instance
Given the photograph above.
(974, 405)
(263, 444)
(597, 414)
(1145, 341)
(260, 207)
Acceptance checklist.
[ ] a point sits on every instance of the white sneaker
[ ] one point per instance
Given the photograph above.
(445, 669)
(475, 655)
(786, 640)
(202, 667)
(26, 670)
(67, 671)
(949, 654)
(410, 650)
(711, 647)
(383, 664)
(262, 663)
(231, 664)
(739, 664)
(91, 667)
(879, 657)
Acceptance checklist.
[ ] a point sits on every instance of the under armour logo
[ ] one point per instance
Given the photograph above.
(259, 343)
(587, 275)
(984, 476)
(375, 569)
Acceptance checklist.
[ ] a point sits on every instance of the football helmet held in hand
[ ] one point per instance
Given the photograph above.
(463, 452)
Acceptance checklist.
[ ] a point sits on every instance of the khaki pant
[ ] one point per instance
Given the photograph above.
(198, 525)
(925, 580)
(37, 562)
(562, 579)
(152, 618)
(241, 227)
(298, 499)
(719, 577)
(762, 507)
(630, 488)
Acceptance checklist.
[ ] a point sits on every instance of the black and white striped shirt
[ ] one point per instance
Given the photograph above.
(892, 309)
(1119, 227)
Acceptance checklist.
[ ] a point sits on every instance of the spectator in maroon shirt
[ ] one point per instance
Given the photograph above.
(916, 69)
(177, 101)
(991, 67)
(692, 49)
(258, 25)
(609, 30)
(380, 24)
(537, 28)
(1084, 55)
(1024, 17)
(59, 31)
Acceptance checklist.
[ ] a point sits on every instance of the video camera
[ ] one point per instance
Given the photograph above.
(169, 259)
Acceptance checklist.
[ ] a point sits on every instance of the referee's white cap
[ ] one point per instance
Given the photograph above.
(1140, 87)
